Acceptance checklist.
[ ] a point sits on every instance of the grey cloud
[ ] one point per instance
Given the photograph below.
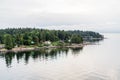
(61, 12)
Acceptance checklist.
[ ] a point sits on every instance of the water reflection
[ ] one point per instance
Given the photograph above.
(76, 51)
(43, 54)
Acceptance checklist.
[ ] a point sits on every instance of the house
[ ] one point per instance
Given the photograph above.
(47, 42)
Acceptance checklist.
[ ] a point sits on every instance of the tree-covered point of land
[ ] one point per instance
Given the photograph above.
(30, 36)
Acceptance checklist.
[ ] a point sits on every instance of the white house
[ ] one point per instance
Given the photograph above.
(47, 42)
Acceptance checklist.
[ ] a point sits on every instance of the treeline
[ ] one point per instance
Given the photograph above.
(31, 36)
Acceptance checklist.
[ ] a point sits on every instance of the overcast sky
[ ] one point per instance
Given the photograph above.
(96, 15)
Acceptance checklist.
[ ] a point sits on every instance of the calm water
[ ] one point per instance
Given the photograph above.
(92, 62)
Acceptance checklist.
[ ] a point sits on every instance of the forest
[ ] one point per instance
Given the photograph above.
(12, 37)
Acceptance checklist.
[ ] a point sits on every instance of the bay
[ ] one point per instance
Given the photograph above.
(100, 61)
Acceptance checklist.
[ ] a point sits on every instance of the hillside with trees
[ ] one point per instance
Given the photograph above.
(31, 36)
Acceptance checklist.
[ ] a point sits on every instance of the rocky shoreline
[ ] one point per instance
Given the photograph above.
(29, 48)
(21, 49)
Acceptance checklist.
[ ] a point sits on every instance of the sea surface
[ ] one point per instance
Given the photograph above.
(100, 61)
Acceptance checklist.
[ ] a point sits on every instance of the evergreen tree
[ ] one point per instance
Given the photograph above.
(76, 39)
(8, 40)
